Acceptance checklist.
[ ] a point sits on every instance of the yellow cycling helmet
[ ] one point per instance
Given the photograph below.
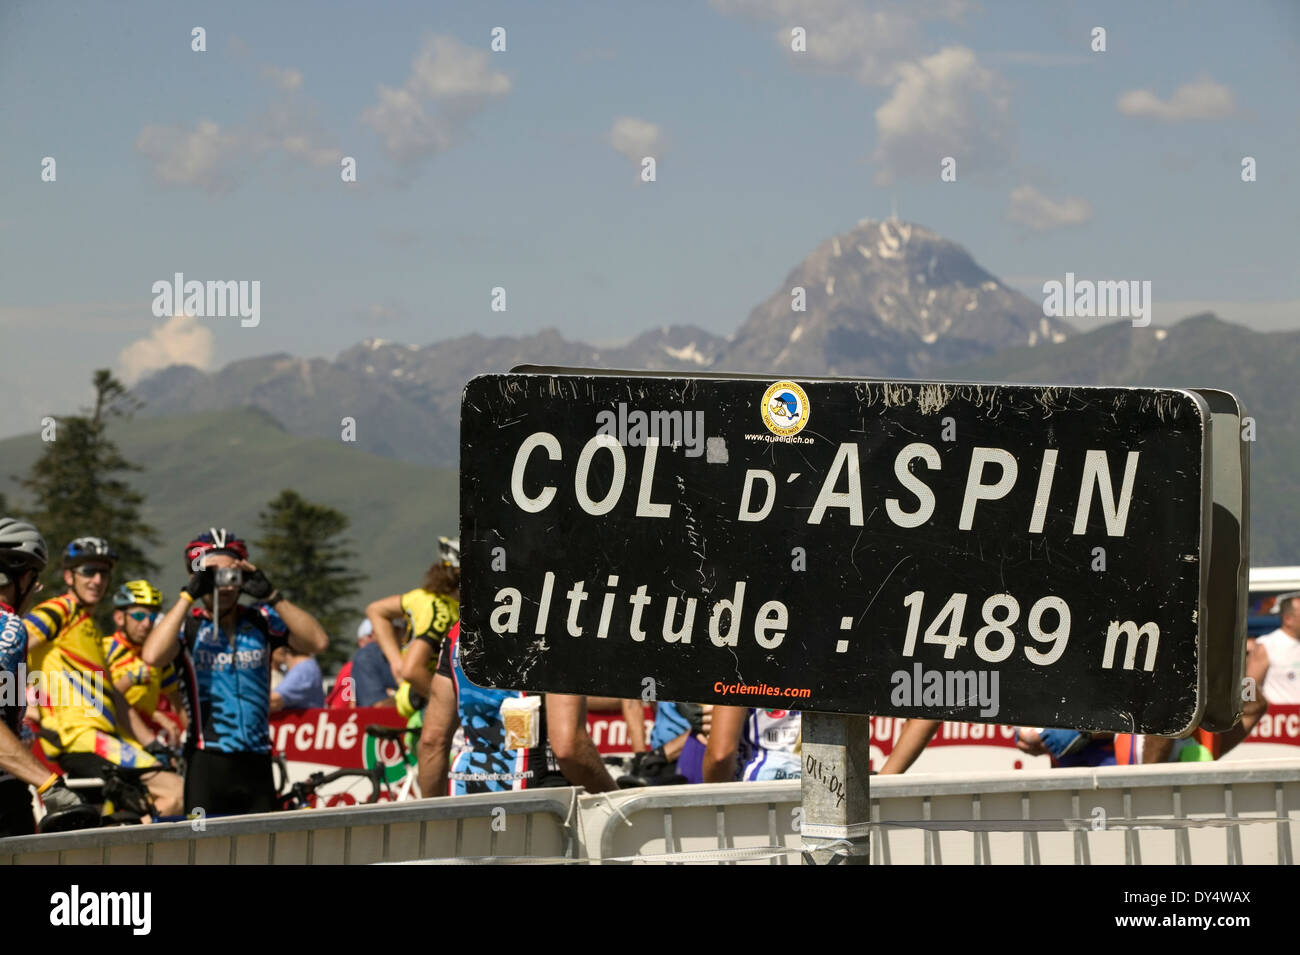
(139, 592)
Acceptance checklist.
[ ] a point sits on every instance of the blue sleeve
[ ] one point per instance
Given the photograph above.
(301, 687)
(276, 628)
(13, 642)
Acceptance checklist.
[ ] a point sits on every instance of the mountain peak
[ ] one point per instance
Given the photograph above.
(887, 298)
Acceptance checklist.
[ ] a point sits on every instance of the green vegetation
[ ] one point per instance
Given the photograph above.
(221, 468)
(300, 552)
(77, 486)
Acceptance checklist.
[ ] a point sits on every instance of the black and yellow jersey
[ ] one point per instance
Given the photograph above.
(429, 617)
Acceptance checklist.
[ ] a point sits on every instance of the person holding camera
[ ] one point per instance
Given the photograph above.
(225, 650)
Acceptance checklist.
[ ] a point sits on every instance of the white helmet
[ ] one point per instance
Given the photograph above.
(449, 551)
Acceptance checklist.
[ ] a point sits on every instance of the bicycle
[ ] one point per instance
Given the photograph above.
(306, 794)
(119, 798)
(303, 795)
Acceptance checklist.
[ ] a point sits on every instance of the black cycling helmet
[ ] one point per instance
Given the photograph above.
(85, 549)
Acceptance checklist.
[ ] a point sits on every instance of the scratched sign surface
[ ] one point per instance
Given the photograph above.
(1004, 554)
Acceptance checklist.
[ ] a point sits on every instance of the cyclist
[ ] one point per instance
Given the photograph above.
(22, 556)
(85, 721)
(430, 611)
(226, 671)
(676, 746)
(1068, 748)
(153, 692)
(513, 740)
(752, 744)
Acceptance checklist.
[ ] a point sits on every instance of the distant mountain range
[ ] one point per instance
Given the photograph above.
(1200, 351)
(886, 299)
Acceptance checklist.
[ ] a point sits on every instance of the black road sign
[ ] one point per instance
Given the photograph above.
(1006, 554)
(1229, 581)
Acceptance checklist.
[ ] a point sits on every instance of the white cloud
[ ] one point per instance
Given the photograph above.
(287, 79)
(213, 158)
(1031, 208)
(206, 156)
(942, 105)
(635, 138)
(1202, 99)
(448, 84)
(178, 341)
(848, 36)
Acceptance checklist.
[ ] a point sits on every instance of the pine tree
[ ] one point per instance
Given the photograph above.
(301, 553)
(79, 488)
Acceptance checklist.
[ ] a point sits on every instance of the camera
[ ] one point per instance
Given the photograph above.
(228, 576)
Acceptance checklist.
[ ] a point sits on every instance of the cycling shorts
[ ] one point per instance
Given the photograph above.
(224, 784)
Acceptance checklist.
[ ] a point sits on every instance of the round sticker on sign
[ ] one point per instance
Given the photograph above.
(784, 408)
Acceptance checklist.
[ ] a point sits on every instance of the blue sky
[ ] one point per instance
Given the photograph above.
(520, 168)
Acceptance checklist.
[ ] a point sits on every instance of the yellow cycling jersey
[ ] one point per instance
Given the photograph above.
(148, 683)
(429, 616)
(67, 647)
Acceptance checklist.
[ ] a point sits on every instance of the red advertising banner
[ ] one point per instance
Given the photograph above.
(330, 737)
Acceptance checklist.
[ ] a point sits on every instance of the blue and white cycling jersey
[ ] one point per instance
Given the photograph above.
(13, 688)
(767, 747)
(227, 677)
(485, 764)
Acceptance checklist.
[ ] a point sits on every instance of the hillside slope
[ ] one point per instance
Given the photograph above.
(221, 468)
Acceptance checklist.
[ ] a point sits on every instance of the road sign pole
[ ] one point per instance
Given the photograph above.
(836, 796)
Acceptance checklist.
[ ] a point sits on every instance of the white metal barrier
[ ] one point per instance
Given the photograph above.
(1203, 813)
(1234, 813)
(536, 823)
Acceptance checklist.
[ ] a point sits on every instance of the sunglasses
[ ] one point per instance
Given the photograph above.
(141, 615)
(90, 573)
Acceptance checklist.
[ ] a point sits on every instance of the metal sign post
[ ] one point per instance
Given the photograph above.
(1007, 554)
(835, 789)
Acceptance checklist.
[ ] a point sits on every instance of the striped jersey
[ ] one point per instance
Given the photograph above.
(67, 647)
(148, 684)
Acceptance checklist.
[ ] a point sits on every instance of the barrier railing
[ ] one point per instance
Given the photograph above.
(1246, 812)
(530, 823)
(711, 820)
(1234, 813)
